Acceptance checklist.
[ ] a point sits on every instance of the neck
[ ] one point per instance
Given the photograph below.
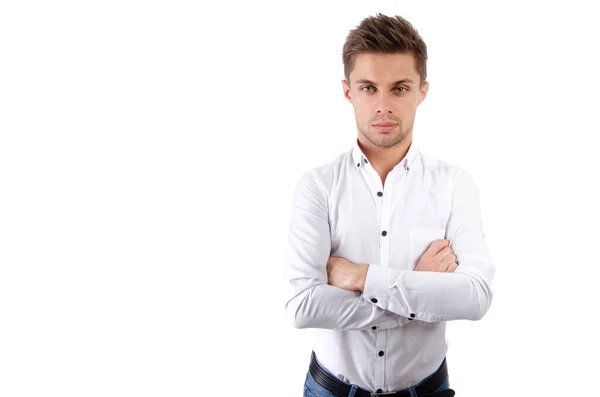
(384, 159)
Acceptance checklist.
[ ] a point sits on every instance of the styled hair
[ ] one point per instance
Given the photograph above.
(385, 35)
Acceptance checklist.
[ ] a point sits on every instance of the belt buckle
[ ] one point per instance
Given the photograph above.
(387, 393)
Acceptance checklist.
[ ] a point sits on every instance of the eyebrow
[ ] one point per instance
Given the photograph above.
(365, 81)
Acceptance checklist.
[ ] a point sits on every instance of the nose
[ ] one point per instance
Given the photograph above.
(384, 103)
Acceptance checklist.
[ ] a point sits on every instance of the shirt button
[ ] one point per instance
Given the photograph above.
(374, 300)
(380, 353)
(358, 164)
(379, 194)
(412, 315)
(379, 391)
(384, 233)
(373, 328)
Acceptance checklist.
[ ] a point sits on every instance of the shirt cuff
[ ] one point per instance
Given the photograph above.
(376, 288)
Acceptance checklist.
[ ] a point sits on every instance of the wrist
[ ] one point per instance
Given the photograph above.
(361, 277)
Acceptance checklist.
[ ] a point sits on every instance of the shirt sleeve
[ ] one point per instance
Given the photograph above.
(312, 303)
(435, 296)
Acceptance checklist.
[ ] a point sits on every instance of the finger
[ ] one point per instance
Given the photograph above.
(452, 267)
(443, 254)
(436, 246)
(444, 263)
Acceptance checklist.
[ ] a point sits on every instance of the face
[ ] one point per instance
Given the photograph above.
(384, 91)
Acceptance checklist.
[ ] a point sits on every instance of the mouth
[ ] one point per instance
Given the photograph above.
(385, 127)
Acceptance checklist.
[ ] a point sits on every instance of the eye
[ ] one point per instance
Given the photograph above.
(368, 88)
(399, 88)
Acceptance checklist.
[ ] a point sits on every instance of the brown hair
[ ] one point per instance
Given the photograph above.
(387, 35)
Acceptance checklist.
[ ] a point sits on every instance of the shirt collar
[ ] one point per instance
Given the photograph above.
(360, 158)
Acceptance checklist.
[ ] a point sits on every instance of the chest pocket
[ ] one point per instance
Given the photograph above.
(420, 238)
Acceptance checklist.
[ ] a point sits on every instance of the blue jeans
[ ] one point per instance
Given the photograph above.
(313, 389)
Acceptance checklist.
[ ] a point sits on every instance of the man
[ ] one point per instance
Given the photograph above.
(385, 243)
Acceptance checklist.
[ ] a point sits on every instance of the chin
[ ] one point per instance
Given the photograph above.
(386, 140)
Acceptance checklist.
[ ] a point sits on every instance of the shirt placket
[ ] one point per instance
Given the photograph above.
(383, 202)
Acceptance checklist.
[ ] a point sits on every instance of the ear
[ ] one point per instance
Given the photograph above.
(346, 88)
(423, 91)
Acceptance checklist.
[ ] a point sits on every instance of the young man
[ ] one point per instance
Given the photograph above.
(385, 243)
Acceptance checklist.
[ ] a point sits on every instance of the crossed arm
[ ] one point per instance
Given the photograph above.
(333, 293)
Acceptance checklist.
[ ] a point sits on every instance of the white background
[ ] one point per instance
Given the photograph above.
(149, 150)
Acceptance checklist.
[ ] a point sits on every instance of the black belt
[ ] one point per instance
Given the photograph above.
(336, 386)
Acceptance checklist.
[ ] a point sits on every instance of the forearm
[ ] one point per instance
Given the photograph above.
(325, 306)
(431, 296)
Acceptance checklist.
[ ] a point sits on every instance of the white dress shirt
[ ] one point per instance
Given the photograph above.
(392, 335)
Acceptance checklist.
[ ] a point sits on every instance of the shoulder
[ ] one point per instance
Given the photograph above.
(454, 179)
(443, 169)
(320, 178)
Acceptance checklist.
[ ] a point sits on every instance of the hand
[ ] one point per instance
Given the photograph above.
(438, 258)
(346, 275)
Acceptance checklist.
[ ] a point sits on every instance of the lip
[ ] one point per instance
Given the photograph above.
(385, 126)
